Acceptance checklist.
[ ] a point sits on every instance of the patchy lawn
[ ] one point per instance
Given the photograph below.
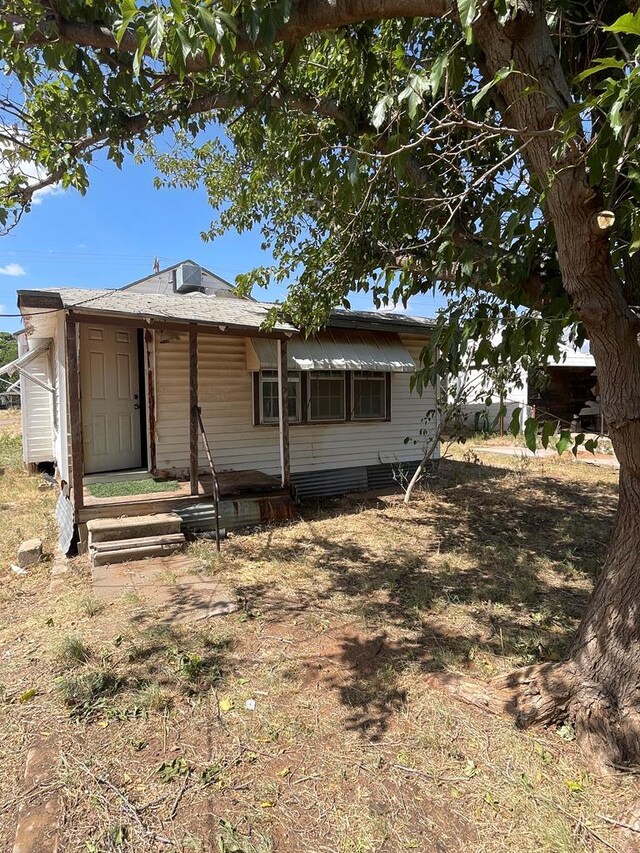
(345, 610)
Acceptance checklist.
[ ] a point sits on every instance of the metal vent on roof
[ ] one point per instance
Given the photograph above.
(188, 278)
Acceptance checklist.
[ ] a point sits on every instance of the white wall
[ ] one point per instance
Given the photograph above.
(61, 433)
(516, 395)
(37, 405)
(226, 398)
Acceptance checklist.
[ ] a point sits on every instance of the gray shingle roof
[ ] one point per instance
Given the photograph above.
(199, 308)
(382, 320)
(189, 308)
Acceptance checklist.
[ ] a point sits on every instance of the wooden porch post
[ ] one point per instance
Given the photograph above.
(75, 414)
(150, 350)
(193, 409)
(283, 420)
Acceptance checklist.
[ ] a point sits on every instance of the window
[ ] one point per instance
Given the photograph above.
(270, 398)
(327, 395)
(369, 396)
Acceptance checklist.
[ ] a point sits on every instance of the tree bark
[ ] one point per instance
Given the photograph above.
(598, 684)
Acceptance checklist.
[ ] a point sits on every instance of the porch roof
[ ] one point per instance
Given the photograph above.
(228, 312)
(356, 350)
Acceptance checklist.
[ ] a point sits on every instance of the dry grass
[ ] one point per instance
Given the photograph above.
(345, 610)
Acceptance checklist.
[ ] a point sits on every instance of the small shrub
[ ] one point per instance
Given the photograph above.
(153, 698)
(83, 693)
(73, 651)
(90, 605)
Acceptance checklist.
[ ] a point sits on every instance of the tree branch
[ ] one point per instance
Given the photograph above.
(307, 16)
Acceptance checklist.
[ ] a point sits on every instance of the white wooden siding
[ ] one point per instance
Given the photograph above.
(37, 409)
(226, 398)
(61, 432)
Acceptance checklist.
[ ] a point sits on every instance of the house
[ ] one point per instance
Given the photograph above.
(565, 390)
(137, 382)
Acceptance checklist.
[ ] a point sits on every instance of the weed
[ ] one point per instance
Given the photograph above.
(10, 451)
(170, 770)
(82, 692)
(73, 651)
(154, 698)
(90, 605)
(472, 458)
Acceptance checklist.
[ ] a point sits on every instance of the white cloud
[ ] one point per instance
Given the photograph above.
(34, 174)
(29, 170)
(13, 270)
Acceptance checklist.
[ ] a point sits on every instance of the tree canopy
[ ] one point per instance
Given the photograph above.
(374, 149)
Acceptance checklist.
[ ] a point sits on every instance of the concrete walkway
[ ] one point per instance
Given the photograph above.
(175, 584)
(600, 460)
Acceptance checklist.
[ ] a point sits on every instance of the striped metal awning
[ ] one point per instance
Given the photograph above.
(355, 351)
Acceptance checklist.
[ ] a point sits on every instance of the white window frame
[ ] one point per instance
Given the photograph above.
(373, 375)
(331, 375)
(293, 377)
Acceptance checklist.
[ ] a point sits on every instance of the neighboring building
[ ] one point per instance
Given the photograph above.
(117, 378)
(568, 393)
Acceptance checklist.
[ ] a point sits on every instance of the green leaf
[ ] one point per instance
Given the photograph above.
(437, 70)
(500, 75)
(169, 770)
(228, 20)
(599, 65)
(178, 10)
(514, 425)
(380, 111)
(156, 32)
(353, 171)
(128, 10)
(564, 441)
(210, 24)
(28, 695)
(143, 39)
(531, 433)
(591, 445)
(548, 429)
(629, 23)
(467, 12)
(579, 439)
(616, 119)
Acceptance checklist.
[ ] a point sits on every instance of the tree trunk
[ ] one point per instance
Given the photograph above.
(605, 652)
(598, 685)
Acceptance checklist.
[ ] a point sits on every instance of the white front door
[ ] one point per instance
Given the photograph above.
(110, 398)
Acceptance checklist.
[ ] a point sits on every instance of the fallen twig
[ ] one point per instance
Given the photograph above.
(179, 795)
(619, 823)
(128, 805)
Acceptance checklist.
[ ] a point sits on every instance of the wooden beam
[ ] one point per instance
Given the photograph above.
(144, 321)
(75, 415)
(283, 420)
(149, 342)
(193, 409)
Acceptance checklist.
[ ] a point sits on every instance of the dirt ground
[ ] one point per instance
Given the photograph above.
(303, 722)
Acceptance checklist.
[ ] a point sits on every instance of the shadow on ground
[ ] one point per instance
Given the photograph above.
(488, 562)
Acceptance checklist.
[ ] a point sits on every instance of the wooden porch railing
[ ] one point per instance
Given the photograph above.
(214, 476)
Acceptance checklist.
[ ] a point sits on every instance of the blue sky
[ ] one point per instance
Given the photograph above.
(110, 237)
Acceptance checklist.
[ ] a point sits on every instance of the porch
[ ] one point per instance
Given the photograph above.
(246, 498)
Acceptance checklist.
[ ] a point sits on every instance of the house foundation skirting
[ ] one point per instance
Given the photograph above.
(363, 478)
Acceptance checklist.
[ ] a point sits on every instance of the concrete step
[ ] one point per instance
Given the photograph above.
(125, 550)
(132, 527)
